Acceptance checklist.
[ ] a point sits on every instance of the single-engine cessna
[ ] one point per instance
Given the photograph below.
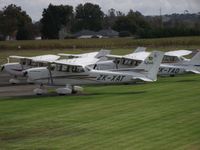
(71, 74)
(16, 69)
(173, 62)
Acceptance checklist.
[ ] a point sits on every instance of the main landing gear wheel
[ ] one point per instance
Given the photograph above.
(40, 91)
(14, 81)
(69, 90)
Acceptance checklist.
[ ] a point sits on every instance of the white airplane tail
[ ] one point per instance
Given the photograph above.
(195, 60)
(102, 53)
(151, 65)
(140, 49)
(194, 64)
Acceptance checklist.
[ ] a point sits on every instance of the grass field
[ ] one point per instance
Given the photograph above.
(117, 45)
(162, 115)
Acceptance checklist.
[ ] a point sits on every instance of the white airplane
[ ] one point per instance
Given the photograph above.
(116, 61)
(16, 69)
(99, 55)
(173, 62)
(71, 74)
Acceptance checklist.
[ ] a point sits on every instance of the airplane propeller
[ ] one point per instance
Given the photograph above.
(2, 68)
(25, 73)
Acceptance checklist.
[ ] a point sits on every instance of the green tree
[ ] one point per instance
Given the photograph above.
(55, 17)
(88, 16)
(25, 32)
(133, 23)
(109, 19)
(13, 18)
(123, 23)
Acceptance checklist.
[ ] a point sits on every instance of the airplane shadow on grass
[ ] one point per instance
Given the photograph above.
(50, 95)
(118, 93)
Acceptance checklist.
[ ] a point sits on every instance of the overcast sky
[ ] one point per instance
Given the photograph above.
(147, 7)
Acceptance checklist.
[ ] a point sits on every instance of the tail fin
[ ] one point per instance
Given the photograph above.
(151, 64)
(195, 59)
(140, 49)
(102, 53)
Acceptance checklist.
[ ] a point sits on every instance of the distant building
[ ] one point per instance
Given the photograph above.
(84, 34)
(38, 38)
(106, 33)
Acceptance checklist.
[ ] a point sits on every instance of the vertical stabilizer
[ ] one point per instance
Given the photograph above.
(151, 64)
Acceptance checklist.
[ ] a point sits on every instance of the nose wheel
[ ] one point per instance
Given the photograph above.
(14, 81)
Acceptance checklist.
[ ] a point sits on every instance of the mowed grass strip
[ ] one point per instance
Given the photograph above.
(160, 115)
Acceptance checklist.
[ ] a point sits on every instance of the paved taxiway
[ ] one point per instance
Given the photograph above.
(8, 90)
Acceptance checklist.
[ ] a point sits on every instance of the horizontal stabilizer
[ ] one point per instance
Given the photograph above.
(143, 79)
(193, 71)
(140, 49)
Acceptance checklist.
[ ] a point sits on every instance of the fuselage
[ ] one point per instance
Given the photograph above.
(165, 69)
(88, 76)
(16, 69)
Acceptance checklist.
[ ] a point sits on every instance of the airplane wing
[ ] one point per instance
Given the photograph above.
(19, 57)
(45, 58)
(41, 58)
(193, 71)
(91, 54)
(114, 56)
(138, 56)
(178, 53)
(141, 56)
(69, 55)
(77, 61)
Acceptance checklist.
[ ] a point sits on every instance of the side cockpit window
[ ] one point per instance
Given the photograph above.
(59, 67)
(67, 68)
(170, 59)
